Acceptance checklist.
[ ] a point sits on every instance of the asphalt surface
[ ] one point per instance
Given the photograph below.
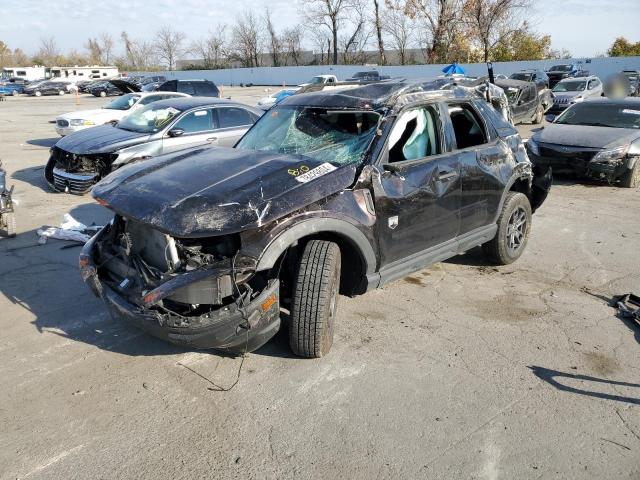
(460, 371)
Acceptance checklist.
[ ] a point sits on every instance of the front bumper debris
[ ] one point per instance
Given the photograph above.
(72, 182)
(237, 327)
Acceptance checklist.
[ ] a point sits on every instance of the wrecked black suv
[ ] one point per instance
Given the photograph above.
(327, 193)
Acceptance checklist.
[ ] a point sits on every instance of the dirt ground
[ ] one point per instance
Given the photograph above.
(460, 371)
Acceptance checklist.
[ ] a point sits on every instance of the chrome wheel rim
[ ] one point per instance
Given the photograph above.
(516, 230)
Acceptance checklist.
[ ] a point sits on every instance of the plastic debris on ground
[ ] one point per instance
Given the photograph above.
(70, 229)
(629, 306)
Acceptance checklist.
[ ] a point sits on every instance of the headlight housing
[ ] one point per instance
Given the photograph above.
(577, 99)
(533, 147)
(79, 122)
(611, 156)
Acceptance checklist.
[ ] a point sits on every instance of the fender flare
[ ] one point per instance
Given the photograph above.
(524, 175)
(302, 229)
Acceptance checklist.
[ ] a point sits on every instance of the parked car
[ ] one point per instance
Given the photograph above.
(110, 87)
(81, 159)
(634, 82)
(538, 77)
(321, 80)
(565, 70)
(327, 193)
(151, 83)
(523, 100)
(47, 88)
(197, 88)
(369, 76)
(11, 89)
(269, 101)
(574, 90)
(113, 112)
(598, 138)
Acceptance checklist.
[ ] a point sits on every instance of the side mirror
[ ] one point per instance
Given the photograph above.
(175, 132)
(550, 117)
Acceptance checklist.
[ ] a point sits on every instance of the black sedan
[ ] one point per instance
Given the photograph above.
(597, 138)
(48, 88)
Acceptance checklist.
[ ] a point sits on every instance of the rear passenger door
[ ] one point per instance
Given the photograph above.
(481, 156)
(194, 128)
(232, 122)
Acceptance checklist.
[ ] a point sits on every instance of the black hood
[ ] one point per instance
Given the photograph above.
(586, 136)
(214, 191)
(125, 87)
(101, 139)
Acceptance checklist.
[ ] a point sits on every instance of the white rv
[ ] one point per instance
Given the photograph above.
(26, 73)
(76, 74)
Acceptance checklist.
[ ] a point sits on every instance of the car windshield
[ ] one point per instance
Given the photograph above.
(570, 87)
(316, 80)
(525, 77)
(560, 68)
(327, 135)
(150, 119)
(602, 115)
(125, 102)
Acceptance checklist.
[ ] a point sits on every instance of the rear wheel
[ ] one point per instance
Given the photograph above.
(38, 93)
(61, 92)
(631, 178)
(14, 93)
(537, 119)
(103, 94)
(514, 225)
(315, 299)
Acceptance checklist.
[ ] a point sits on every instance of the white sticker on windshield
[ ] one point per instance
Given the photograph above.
(631, 112)
(319, 171)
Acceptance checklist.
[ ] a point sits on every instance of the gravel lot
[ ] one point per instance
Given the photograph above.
(459, 371)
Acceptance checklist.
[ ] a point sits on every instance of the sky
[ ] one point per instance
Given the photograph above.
(585, 27)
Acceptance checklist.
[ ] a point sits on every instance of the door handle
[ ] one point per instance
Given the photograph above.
(212, 139)
(446, 175)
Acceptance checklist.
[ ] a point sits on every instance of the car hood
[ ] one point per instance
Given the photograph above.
(105, 114)
(215, 191)
(125, 87)
(568, 94)
(100, 139)
(586, 136)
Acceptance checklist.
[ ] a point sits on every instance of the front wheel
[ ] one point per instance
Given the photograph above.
(8, 224)
(315, 299)
(103, 94)
(514, 225)
(37, 94)
(537, 119)
(14, 93)
(61, 92)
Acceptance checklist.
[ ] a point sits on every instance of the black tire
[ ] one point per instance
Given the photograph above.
(315, 299)
(8, 224)
(631, 178)
(514, 225)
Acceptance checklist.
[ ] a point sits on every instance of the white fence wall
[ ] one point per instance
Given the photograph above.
(602, 67)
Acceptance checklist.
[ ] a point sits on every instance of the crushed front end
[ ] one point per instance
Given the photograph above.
(197, 293)
(72, 173)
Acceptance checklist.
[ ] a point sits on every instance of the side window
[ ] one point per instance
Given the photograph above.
(234, 117)
(194, 122)
(149, 99)
(414, 136)
(186, 87)
(206, 89)
(466, 126)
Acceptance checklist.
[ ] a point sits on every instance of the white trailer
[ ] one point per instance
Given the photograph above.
(76, 74)
(26, 73)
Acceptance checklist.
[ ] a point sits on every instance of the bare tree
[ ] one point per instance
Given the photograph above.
(169, 45)
(292, 44)
(377, 22)
(106, 41)
(494, 20)
(48, 53)
(353, 44)
(321, 40)
(330, 14)
(212, 48)
(247, 38)
(275, 43)
(138, 54)
(95, 51)
(439, 19)
(399, 28)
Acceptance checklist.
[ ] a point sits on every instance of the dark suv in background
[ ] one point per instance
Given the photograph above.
(538, 77)
(565, 70)
(329, 192)
(196, 88)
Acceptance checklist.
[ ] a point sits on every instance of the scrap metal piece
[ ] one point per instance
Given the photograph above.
(628, 306)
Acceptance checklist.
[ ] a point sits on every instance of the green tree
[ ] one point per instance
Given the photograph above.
(522, 44)
(624, 48)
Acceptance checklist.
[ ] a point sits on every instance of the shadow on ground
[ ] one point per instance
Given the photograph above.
(33, 176)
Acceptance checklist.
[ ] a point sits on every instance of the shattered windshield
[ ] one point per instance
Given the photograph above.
(602, 115)
(336, 136)
(124, 102)
(150, 119)
(512, 94)
(570, 87)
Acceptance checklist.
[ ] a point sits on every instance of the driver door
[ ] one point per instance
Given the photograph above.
(193, 129)
(417, 194)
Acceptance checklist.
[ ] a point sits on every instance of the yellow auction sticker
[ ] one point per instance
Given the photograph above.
(298, 171)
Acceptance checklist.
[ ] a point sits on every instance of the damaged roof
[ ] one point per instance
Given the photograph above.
(372, 96)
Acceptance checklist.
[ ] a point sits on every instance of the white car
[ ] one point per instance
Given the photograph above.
(266, 103)
(113, 112)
